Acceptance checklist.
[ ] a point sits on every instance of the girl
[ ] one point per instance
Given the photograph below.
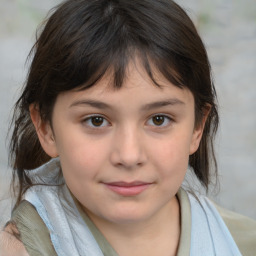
(118, 103)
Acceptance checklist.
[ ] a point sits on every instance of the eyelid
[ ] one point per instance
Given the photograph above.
(170, 120)
(89, 117)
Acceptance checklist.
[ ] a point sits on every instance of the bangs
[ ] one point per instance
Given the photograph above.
(96, 39)
(117, 67)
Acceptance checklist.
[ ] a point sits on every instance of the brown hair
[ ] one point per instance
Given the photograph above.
(83, 39)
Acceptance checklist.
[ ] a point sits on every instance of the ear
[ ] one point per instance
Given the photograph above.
(44, 132)
(198, 131)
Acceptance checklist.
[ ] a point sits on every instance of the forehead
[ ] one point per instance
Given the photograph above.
(137, 89)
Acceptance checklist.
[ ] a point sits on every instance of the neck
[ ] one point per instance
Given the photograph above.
(161, 230)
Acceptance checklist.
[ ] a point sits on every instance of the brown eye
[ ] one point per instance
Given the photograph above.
(158, 120)
(97, 120)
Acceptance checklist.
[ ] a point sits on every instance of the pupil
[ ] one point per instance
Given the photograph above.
(97, 121)
(158, 120)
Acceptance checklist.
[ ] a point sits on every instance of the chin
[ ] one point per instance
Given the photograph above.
(129, 216)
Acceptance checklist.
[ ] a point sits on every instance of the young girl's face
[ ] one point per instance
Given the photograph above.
(124, 153)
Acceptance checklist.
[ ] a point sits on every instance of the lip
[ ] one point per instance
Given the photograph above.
(127, 188)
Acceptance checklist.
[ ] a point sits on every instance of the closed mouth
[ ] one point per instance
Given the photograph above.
(127, 188)
(127, 184)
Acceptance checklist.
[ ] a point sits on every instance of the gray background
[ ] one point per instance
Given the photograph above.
(228, 28)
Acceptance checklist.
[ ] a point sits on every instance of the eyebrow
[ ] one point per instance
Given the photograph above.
(159, 104)
(149, 106)
(92, 103)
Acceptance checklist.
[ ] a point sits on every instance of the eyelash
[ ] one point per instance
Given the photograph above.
(88, 121)
(104, 122)
(164, 118)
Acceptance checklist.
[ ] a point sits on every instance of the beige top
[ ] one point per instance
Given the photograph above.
(36, 238)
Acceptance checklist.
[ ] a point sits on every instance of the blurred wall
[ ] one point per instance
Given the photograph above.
(228, 28)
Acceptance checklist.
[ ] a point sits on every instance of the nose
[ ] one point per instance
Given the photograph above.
(128, 151)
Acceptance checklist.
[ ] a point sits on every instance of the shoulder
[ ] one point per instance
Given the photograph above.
(238, 230)
(10, 243)
(33, 233)
(242, 229)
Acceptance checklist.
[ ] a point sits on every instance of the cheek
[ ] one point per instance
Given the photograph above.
(171, 155)
(174, 149)
(83, 160)
(171, 164)
(74, 144)
(80, 158)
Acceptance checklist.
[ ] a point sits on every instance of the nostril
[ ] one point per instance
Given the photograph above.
(128, 160)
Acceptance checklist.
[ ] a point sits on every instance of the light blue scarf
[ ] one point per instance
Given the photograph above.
(209, 234)
(71, 236)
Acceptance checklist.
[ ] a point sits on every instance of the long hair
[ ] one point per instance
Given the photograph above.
(83, 39)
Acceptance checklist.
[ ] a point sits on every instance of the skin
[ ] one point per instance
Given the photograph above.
(9, 244)
(138, 133)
